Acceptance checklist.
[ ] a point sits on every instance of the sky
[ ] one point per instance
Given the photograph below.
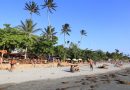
(107, 22)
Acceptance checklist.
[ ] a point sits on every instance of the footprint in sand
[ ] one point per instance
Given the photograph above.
(78, 81)
(64, 82)
(83, 83)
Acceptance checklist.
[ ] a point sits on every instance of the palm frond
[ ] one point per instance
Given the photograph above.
(66, 29)
(49, 32)
(32, 7)
(28, 27)
(83, 32)
(36, 30)
(50, 5)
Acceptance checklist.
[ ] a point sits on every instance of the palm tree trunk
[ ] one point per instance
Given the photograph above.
(49, 23)
(64, 48)
(2, 57)
(64, 40)
(31, 15)
(3, 53)
(25, 56)
(80, 41)
(1, 62)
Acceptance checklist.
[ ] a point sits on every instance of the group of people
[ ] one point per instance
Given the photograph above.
(12, 63)
(75, 67)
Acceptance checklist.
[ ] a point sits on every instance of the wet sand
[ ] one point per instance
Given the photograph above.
(114, 80)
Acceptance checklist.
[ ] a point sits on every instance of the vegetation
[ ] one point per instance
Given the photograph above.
(24, 40)
(15, 38)
(28, 28)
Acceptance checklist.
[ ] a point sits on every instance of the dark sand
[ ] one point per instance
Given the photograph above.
(119, 80)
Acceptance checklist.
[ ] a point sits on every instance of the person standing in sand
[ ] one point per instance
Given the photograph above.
(1, 60)
(12, 63)
(91, 64)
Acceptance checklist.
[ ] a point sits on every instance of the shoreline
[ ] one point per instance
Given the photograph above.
(54, 74)
(82, 82)
(33, 74)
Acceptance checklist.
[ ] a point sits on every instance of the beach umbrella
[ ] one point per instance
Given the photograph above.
(68, 59)
(80, 59)
(75, 59)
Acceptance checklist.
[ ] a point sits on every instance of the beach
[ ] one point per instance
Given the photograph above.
(59, 78)
(61, 45)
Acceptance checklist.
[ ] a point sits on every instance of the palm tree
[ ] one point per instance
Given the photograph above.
(65, 30)
(117, 51)
(74, 50)
(49, 33)
(7, 26)
(82, 33)
(50, 5)
(28, 28)
(49, 36)
(32, 7)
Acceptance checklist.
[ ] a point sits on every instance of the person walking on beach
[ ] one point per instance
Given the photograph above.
(12, 63)
(91, 64)
(33, 62)
(1, 60)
